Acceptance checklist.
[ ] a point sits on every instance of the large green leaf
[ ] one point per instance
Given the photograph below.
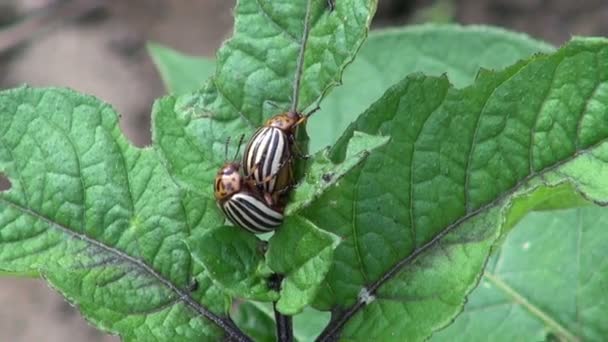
(255, 72)
(419, 217)
(180, 73)
(102, 221)
(322, 173)
(389, 55)
(548, 278)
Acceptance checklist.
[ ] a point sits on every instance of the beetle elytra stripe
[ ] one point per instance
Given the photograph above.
(265, 155)
(252, 214)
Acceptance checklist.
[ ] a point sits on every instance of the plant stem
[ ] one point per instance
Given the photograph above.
(300, 65)
(284, 325)
(283, 322)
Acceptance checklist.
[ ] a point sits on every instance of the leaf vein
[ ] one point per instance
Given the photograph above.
(340, 321)
(412, 218)
(533, 129)
(579, 225)
(467, 168)
(223, 94)
(275, 23)
(533, 309)
(355, 232)
(579, 122)
(83, 188)
(183, 296)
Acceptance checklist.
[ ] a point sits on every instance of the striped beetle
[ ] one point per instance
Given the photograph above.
(242, 202)
(267, 160)
(268, 156)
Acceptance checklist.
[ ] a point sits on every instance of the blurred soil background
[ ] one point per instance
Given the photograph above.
(99, 47)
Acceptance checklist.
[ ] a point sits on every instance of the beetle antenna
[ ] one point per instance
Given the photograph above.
(300, 64)
(226, 148)
(238, 148)
(312, 111)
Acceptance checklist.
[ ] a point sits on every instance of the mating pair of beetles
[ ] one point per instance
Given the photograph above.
(255, 199)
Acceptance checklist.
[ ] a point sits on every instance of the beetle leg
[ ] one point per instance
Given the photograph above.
(268, 198)
(286, 188)
(281, 166)
(309, 114)
(254, 183)
(296, 149)
(299, 152)
(249, 178)
(273, 105)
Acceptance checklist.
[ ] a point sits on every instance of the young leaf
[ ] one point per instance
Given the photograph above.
(389, 55)
(234, 259)
(256, 319)
(322, 173)
(256, 68)
(548, 278)
(302, 253)
(308, 324)
(418, 218)
(102, 221)
(180, 73)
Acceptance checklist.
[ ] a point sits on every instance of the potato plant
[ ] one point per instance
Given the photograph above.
(409, 221)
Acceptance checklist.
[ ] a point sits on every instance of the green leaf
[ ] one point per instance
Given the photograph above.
(302, 254)
(547, 278)
(389, 55)
(418, 218)
(255, 68)
(180, 73)
(544, 198)
(234, 259)
(257, 319)
(308, 324)
(102, 221)
(322, 173)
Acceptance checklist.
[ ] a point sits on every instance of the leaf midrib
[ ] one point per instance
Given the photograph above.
(531, 308)
(180, 294)
(339, 322)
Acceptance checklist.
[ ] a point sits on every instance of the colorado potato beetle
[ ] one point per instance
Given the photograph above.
(242, 203)
(267, 159)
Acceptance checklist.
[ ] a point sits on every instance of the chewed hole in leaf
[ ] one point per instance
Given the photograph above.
(136, 128)
(5, 184)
